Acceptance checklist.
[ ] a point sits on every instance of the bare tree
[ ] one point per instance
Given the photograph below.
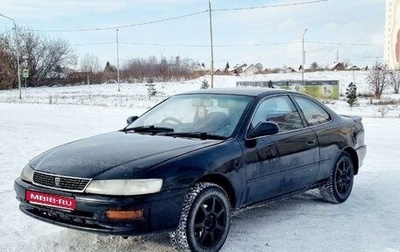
(395, 79)
(44, 57)
(378, 79)
(7, 70)
(56, 53)
(90, 63)
(152, 69)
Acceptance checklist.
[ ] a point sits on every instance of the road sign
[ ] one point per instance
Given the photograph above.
(25, 73)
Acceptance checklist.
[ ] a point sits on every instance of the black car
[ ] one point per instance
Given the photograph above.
(191, 161)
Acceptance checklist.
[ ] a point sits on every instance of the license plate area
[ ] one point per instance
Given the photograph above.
(51, 200)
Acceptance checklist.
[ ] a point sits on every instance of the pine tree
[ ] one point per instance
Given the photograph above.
(204, 84)
(226, 67)
(351, 94)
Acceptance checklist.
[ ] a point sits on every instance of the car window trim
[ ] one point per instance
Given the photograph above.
(279, 133)
(293, 97)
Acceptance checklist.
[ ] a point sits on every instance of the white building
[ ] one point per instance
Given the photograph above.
(392, 34)
(251, 69)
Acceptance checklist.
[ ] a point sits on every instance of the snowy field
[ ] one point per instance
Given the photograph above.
(368, 221)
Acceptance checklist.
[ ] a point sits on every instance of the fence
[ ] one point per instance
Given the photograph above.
(321, 89)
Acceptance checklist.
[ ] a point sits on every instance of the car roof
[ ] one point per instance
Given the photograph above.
(249, 91)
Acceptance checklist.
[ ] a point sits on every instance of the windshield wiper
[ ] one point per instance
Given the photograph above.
(201, 135)
(149, 128)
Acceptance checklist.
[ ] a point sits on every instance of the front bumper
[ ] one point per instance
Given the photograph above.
(161, 211)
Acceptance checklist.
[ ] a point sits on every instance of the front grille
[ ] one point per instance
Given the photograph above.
(63, 183)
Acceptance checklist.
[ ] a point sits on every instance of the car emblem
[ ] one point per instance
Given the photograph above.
(57, 181)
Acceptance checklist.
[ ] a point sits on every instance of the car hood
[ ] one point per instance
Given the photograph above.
(126, 152)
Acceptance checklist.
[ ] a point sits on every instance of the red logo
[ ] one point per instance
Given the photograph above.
(50, 200)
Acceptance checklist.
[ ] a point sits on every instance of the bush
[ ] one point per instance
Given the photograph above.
(204, 84)
(383, 110)
(351, 94)
(151, 90)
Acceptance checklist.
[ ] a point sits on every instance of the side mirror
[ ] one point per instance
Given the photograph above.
(264, 129)
(131, 119)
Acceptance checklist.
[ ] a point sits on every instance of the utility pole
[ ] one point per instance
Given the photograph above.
(303, 59)
(212, 46)
(118, 63)
(17, 52)
(337, 56)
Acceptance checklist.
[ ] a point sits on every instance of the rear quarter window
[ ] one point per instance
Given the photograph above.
(313, 112)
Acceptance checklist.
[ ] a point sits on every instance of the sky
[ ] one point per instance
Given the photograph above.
(269, 32)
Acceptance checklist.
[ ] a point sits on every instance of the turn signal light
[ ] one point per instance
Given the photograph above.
(124, 215)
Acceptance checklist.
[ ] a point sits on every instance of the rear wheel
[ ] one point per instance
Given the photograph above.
(205, 219)
(338, 188)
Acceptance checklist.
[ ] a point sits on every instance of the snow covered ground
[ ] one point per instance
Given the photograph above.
(368, 221)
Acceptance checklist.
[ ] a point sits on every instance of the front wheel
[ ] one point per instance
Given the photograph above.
(338, 188)
(205, 219)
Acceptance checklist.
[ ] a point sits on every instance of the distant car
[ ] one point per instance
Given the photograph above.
(187, 164)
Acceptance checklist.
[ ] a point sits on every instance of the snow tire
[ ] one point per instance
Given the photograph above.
(340, 183)
(205, 219)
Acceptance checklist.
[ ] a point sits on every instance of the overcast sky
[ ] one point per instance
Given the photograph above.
(252, 31)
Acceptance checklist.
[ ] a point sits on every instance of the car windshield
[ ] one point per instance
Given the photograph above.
(204, 114)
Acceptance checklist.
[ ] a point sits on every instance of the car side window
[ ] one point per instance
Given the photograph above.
(313, 113)
(281, 110)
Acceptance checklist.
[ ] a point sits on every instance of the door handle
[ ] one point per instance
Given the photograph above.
(311, 142)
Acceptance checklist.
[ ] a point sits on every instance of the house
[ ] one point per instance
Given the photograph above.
(290, 70)
(354, 68)
(251, 69)
(337, 66)
(237, 69)
(218, 71)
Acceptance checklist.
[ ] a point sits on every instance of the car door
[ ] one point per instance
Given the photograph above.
(284, 162)
(319, 120)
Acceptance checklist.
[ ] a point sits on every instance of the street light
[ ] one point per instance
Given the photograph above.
(303, 59)
(118, 63)
(212, 49)
(17, 51)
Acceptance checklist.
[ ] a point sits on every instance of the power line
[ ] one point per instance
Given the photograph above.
(127, 25)
(228, 45)
(344, 44)
(271, 6)
(180, 17)
(186, 45)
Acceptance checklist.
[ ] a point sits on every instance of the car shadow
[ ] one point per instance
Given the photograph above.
(271, 212)
(291, 203)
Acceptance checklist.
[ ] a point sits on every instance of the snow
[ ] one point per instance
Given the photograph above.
(368, 221)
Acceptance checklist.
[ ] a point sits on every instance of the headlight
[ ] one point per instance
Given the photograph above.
(27, 174)
(124, 187)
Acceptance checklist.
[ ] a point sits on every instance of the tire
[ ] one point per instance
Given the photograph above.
(205, 219)
(338, 188)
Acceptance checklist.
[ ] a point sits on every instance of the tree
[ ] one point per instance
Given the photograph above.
(41, 55)
(351, 94)
(90, 63)
(204, 84)
(8, 63)
(314, 67)
(110, 72)
(159, 70)
(8, 73)
(378, 79)
(226, 67)
(395, 79)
